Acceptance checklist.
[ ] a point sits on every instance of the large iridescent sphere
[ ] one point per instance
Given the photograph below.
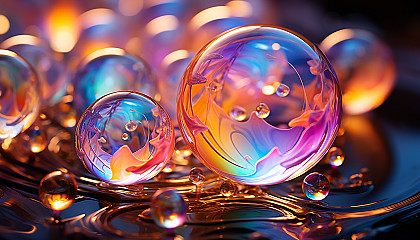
(365, 67)
(168, 208)
(125, 138)
(108, 70)
(288, 96)
(19, 94)
(51, 71)
(58, 190)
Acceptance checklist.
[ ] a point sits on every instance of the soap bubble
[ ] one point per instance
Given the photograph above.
(168, 208)
(118, 156)
(365, 67)
(316, 186)
(58, 190)
(196, 176)
(108, 70)
(53, 78)
(282, 137)
(19, 95)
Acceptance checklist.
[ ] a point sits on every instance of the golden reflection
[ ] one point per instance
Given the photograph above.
(62, 26)
(240, 8)
(338, 36)
(20, 39)
(6, 143)
(4, 24)
(162, 24)
(104, 51)
(173, 57)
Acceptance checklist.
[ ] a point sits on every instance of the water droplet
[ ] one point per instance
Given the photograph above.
(196, 176)
(131, 126)
(58, 190)
(335, 156)
(283, 90)
(35, 139)
(125, 136)
(169, 167)
(262, 110)
(182, 150)
(227, 188)
(102, 140)
(215, 86)
(168, 208)
(316, 186)
(238, 113)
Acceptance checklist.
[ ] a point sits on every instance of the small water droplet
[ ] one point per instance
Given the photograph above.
(227, 188)
(58, 190)
(125, 136)
(215, 86)
(35, 139)
(169, 167)
(102, 140)
(283, 90)
(238, 113)
(316, 186)
(262, 110)
(335, 156)
(131, 126)
(168, 208)
(196, 176)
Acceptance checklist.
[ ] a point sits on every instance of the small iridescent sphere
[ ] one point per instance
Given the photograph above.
(227, 188)
(35, 139)
(196, 176)
(58, 190)
(259, 105)
(119, 154)
(168, 208)
(53, 78)
(316, 186)
(108, 70)
(365, 67)
(335, 156)
(19, 95)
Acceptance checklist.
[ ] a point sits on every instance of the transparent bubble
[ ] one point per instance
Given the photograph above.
(58, 190)
(168, 208)
(227, 188)
(130, 126)
(238, 113)
(283, 90)
(181, 148)
(335, 156)
(262, 110)
(257, 151)
(19, 95)
(53, 77)
(108, 70)
(125, 157)
(196, 176)
(35, 139)
(316, 186)
(365, 67)
(169, 167)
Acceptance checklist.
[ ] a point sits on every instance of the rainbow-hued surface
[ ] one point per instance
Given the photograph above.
(241, 69)
(125, 138)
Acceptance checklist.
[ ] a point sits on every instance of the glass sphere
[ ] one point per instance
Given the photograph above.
(53, 78)
(168, 208)
(35, 139)
(58, 190)
(275, 137)
(316, 186)
(365, 68)
(227, 188)
(125, 138)
(335, 156)
(19, 94)
(108, 70)
(196, 176)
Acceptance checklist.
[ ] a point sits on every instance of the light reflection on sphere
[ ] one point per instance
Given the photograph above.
(19, 94)
(244, 68)
(108, 70)
(125, 138)
(365, 68)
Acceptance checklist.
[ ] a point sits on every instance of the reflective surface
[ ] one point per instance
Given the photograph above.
(125, 138)
(239, 73)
